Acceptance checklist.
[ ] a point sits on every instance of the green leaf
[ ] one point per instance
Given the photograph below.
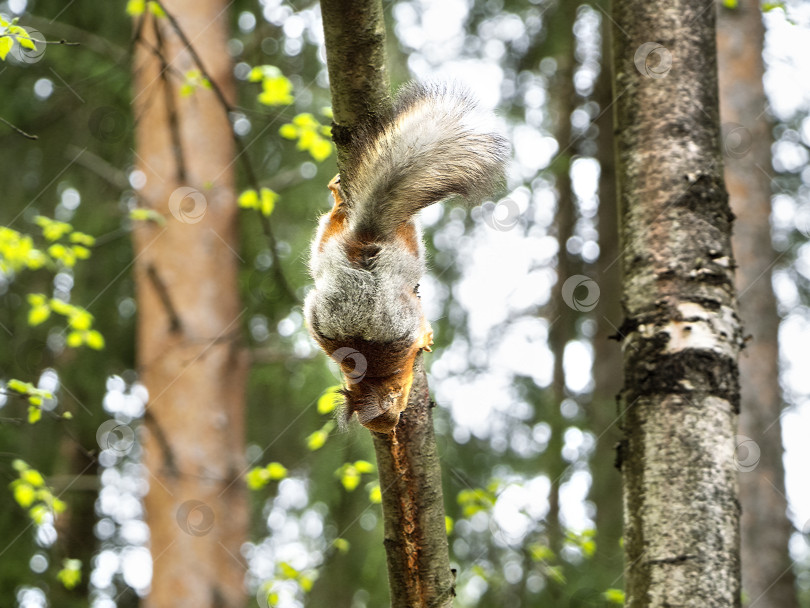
(341, 544)
(34, 414)
(260, 72)
(614, 596)
(329, 400)
(38, 513)
(316, 440)
(149, 215)
(52, 230)
(320, 150)
(23, 494)
(306, 582)
(256, 478)
(18, 386)
(24, 39)
(6, 42)
(375, 494)
(82, 239)
(769, 6)
(276, 471)
(249, 199)
(288, 131)
(276, 92)
(71, 573)
(540, 553)
(364, 466)
(268, 201)
(18, 464)
(80, 320)
(33, 478)
(94, 340)
(39, 313)
(156, 9)
(136, 7)
(349, 477)
(448, 525)
(287, 571)
(75, 339)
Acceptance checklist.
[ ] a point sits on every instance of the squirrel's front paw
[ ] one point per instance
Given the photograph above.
(427, 339)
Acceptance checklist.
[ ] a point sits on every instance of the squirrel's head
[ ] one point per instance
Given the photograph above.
(379, 401)
(377, 375)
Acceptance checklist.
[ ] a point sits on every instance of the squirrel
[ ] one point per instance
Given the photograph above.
(368, 257)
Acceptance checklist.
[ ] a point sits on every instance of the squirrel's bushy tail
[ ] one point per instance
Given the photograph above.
(437, 144)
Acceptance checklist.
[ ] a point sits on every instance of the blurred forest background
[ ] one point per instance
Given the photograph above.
(523, 372)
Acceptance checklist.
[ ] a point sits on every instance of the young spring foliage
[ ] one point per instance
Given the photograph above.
(11, 34)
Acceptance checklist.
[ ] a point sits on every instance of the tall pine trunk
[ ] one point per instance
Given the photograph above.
(681, 334)
(189, 313)
(767, 576)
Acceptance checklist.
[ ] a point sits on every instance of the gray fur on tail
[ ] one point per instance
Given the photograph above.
(437, 144)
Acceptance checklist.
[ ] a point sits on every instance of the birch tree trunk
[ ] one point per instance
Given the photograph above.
(189, 314)
(681, 334)
(419, 573)
(767, 576)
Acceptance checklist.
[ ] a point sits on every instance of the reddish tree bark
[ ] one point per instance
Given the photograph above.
(767, 576)
(189, 314)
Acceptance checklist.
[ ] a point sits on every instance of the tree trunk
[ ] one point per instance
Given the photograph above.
(189, 314)
(563, 317)
(767, 576)
(681, 334)
(419, 573)
(607, 355)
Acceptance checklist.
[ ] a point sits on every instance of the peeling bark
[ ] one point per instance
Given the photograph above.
(681, 334)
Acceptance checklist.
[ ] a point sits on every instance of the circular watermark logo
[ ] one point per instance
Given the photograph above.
(31, 49)
(116, 437)
(746, 454)
(195, 518)
(355, 356)
(653, 60)
(580, 304)
(501, 216)
(737, 140)
(187, 205)
(108, 124)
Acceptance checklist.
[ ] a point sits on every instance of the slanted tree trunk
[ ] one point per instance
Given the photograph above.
(419, 573)
(767, 576)
(189, 314)
(681, 333)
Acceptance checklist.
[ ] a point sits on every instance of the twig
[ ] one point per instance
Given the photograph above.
(175, 326)
(250, 175)
(18, 129)
(171, 108)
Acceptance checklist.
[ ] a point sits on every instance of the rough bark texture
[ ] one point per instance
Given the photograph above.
(410, 477)
(767, 578)
(189, 315)
(681, 333)
(419, 573)
(354, 33)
